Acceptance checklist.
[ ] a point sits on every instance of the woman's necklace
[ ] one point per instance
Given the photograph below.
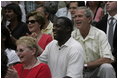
(31, 65)
(29, 69)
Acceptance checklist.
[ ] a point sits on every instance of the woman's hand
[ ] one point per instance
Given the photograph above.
(11, 73)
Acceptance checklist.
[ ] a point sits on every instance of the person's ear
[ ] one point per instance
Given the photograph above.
(89, 20)
(47, 15)
(69, 29)
(33, 51)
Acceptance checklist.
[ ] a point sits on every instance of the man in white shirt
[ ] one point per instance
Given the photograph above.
(64, 55)
(97, 56)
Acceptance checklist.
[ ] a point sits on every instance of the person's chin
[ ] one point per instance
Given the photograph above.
(21, 60)
(78, 27)
(8, 19)
(55, 38)
(31, 30)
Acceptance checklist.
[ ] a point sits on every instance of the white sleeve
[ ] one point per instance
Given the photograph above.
(105, 49)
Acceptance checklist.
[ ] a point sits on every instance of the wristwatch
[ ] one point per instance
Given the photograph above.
(85, 66)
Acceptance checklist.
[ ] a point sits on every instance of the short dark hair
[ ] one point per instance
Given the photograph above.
(66, 22)
(16, 9)
(46, 9)
(79, 3)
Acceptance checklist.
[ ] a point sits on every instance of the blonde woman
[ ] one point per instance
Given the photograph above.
(30, 66)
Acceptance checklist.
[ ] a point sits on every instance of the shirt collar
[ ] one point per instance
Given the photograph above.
(90, 35)
(66, 44)
(49, 25)
(91, 32)
(115, 16)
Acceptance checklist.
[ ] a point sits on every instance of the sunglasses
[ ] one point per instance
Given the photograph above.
(31, 21)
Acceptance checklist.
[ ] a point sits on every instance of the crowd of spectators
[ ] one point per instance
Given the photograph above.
(59, 39)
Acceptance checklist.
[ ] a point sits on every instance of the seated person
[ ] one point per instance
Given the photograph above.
(30, 66)
(98, 56)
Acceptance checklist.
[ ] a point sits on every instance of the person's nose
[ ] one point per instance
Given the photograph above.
(71, 9)
(19, 52)
(76, 18)
(6, 13)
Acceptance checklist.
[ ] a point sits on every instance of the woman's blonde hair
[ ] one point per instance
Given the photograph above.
(31, 43)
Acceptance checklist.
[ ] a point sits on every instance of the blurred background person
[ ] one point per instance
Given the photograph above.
(22, 7)
(29, 6)
(109, 25)
(12, 21)
(73, 5)
(47, 29)
(64, 12)
(52, 7)
(6, 45)
(97, 10)
(4, 62)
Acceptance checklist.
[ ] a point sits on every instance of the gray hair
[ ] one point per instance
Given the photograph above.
(88, 12)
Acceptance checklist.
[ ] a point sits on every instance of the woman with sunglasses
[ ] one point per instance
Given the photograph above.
(30, 66)
(36, 22)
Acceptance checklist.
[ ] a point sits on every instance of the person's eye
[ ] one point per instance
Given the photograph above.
(20, 50)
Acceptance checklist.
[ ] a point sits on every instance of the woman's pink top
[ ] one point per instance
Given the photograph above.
(99, 14)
